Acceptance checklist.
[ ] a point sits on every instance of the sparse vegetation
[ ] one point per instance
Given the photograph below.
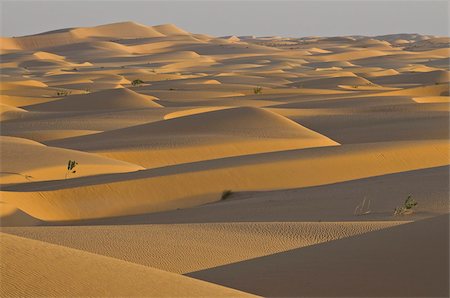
(226, 194)
(257, 90)
(407, 208)
(136, 82)
(63, 92)
(363, 208)
(71, 164)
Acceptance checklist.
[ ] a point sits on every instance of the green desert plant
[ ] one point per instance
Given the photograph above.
(407, 208)
(257, 90)
(363, 208)
(136, 82)
(226, 194)
(71, 164)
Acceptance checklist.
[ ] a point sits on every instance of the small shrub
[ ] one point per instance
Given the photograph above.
(63, 92)
(407, 208)
(363, 209)
(71, 164)
(226, 194)
(136, 82)
(257, 90)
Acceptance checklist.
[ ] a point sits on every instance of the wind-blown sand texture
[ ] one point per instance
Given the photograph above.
(163, 122)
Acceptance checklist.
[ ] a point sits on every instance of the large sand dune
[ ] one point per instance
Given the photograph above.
(239, 160)
(189, 184)
(201, 136)
(38, 269)
(32, 161)
(383, 256)
(185, 248)
(114, 99)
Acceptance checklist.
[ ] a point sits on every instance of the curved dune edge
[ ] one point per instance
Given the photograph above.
(8, 112)
(34, 268)
(44, 135)
(78, 35)
(432, 99)
(32, 161)
(409, 260)
(184, 248)
(193, 111)
(113, 99)
(193, 184)
(200, 134)
(218, 148)
(11, 216)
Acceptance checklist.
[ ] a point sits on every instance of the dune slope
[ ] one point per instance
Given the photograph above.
(34, 268)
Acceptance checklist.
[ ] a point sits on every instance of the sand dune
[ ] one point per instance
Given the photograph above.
(423, 78)
(375, 263)
(333, 82)
(237, 159)
(103, 196)
(117, 30)
(51, 134)
(114, 99)
(32, 161)
(34, 268)
(242, 121)
(188, 139)
(432, 90)
(200, 246)
(8, 112)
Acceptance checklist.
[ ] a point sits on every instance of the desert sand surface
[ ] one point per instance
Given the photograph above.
(223, 166)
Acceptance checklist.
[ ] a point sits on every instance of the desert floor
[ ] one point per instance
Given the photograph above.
(223, 166)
